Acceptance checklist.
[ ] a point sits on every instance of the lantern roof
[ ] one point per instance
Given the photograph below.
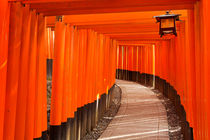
(167, 15)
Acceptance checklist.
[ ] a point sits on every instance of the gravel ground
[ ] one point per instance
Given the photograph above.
(173, 119)
(107, 117)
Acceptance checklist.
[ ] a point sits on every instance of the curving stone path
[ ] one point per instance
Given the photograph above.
(140, 117)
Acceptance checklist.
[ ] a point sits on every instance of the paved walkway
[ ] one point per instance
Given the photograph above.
(141, 115)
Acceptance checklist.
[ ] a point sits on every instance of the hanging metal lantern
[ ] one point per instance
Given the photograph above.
(167, 23)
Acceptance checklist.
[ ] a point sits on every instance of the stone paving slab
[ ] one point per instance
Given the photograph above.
(140, 117)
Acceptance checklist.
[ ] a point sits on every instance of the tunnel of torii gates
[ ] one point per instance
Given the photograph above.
(94, 43)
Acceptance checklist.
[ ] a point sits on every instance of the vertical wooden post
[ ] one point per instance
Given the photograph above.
(4, 32)
(23, 76)
(66, 93)
(15, 34)
(57, 82)
(190, 66)
(205, 30)
(197, 69)
(40, 123)
(30, 114)
(71, 97)
(71, 83)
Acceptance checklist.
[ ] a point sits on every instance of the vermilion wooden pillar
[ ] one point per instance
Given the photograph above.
(125, 61)
(4, 31)
(103, 59)
(159, 59)
(109, 40)
(84, 66)
(183, 66)
(106, 62)
(89, 71)
(23, 76)
(79, 80)
(205, 30)
(96, 65)
(177, 59)
(83, 77)
(135, 58)
(65, 119)
(15, 34)
(120, 63)
(204, 21)
(146, 59)
(75, 69)
(93, 70)
(130, 57)
(82, 59)
(79, 67)
(164, 47)
(115, 54)
(180, 63)
(101, 64)
(114, 62)
(44, 81)
(57, 82)
(65, 96)
(150, 57)
(140, 59)
(122, 56)
(198, 67)
(157, 72)
(118, 59)
(172, 64)
(203, 40)
(30, 114)
(73, 74)
(104, 89)
(50, 43)
(94, 93)
(71, 96)
(40, 123)
(190, 67)
(110, 65)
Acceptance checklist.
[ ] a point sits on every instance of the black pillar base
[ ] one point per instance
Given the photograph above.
(89, 116)
(55, 132)
(99, 111)
(45, 135)
(157, 83)
(68, 129)
(149, 80)
(49, 68)
(63, 130)
(138, 77)
(93, 115)
(72, 136)
(75, 126)
(84, 121)
(143, 78)
(79, 120)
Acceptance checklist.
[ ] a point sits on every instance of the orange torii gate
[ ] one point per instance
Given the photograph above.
(28, 118)
(86, 58)
(180, 70)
